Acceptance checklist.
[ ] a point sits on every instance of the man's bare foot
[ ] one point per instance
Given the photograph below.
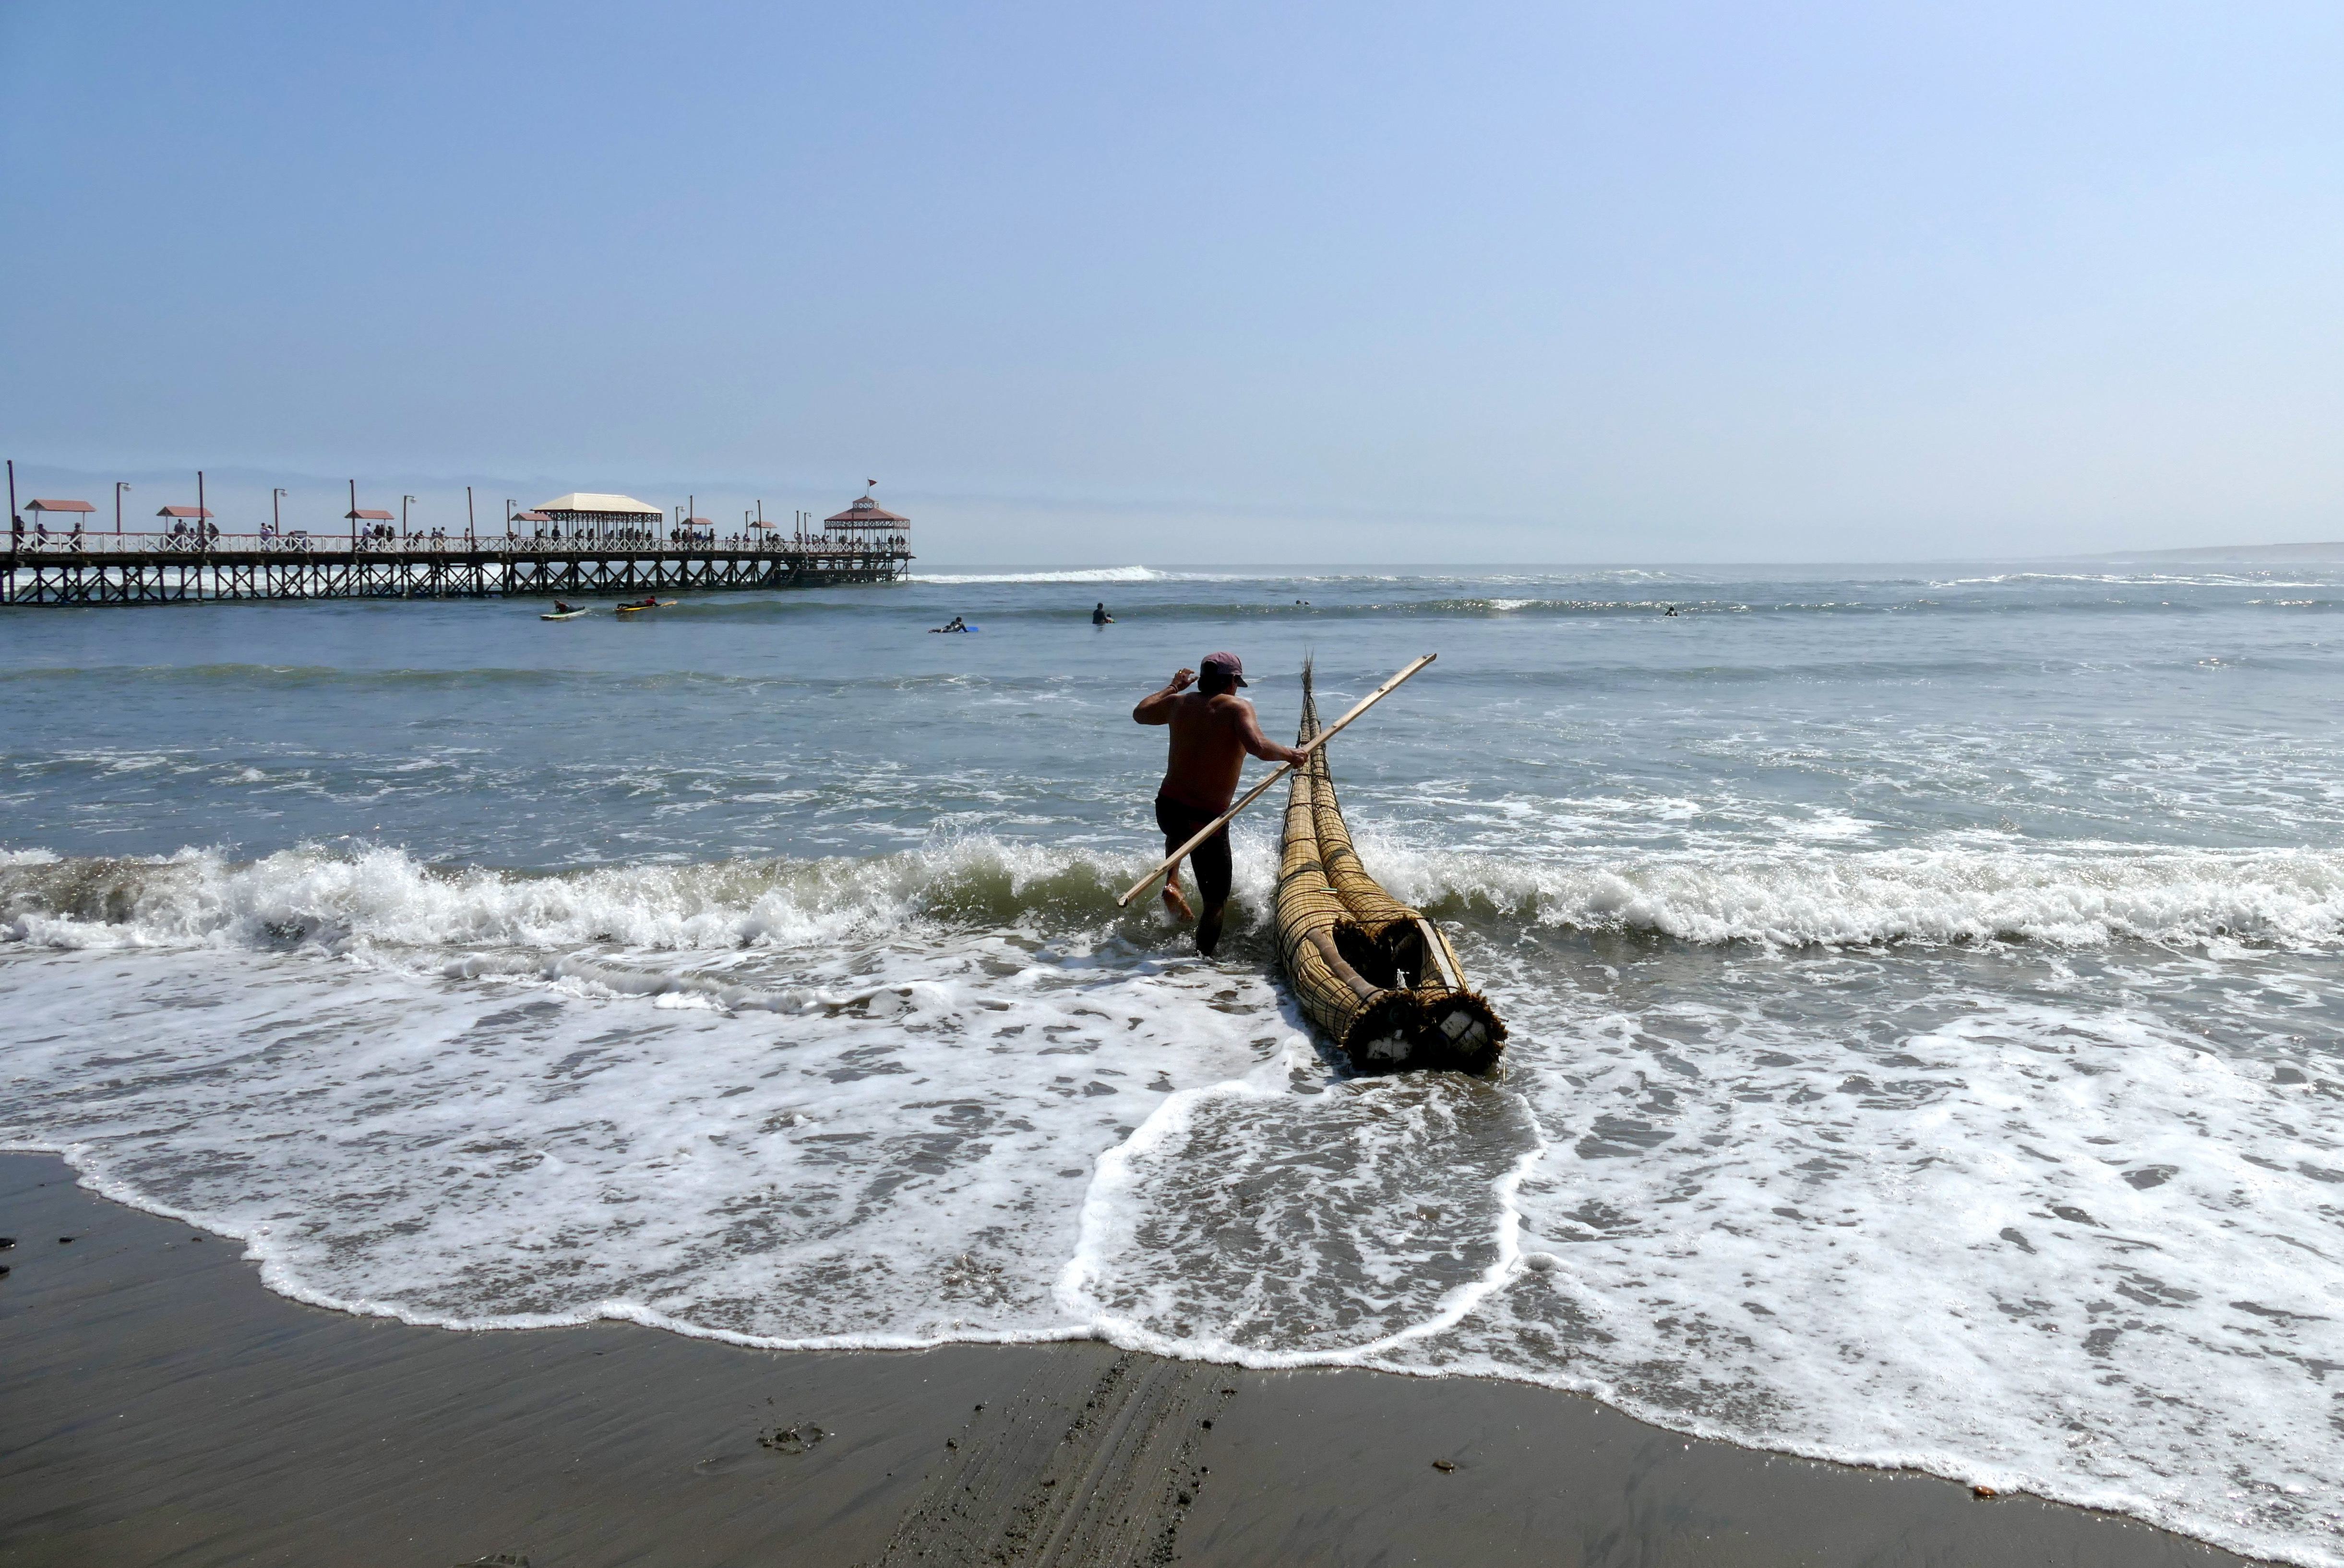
(1179, 906)
(1208, 930)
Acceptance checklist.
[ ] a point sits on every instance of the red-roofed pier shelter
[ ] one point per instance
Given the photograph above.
(870, 526)
(73, 508)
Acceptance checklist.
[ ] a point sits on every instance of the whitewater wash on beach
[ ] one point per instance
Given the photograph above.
(1923, 992)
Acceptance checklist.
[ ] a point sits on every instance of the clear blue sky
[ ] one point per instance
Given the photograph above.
(1204, 282)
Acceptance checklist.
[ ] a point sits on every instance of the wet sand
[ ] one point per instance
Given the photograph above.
(158, 1406)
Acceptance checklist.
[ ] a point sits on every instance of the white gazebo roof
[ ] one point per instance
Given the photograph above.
(584, 501)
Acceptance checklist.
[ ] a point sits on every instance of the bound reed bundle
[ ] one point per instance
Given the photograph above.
(1373, 973)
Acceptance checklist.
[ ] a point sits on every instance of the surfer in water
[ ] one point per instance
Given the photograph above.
(1213, 729)
(1099, 617)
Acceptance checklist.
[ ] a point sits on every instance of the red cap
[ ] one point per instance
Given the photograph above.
(1227, 665)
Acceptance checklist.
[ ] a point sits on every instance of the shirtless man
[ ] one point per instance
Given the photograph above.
(1213, 728)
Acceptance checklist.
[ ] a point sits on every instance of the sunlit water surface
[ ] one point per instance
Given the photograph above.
(1925, 989)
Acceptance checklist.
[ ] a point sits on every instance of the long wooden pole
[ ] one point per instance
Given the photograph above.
(1276, 774)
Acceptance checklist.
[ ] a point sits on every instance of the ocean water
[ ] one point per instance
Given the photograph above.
(1927, 988)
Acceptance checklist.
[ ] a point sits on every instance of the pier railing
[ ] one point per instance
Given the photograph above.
(158, 568)
(293, 541)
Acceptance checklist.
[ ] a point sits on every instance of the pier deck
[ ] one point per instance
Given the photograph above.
(107, 569)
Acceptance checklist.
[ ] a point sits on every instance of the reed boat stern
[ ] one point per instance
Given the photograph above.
(1376, 976)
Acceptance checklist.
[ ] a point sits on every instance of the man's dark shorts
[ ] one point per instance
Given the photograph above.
(1211, 858)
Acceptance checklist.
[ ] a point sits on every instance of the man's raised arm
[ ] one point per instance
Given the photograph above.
(1260, 745)
(1156, 708)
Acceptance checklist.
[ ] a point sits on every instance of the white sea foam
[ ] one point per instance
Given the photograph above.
(1822, 895)
(1730, 1204)
(2140, 579)
(896, 1158)
(385, 896)
(953, 1095)
(1819, 896)
(1067, 574)
(2058, 1247)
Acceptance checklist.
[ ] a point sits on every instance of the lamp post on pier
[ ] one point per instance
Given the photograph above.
(403, 517)
(120, 486)
(276, 515)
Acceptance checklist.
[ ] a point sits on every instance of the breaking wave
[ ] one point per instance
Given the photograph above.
(1069, 574)
(2280, 898)
(2289, 898)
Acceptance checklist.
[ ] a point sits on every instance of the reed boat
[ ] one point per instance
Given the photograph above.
(1374, 973)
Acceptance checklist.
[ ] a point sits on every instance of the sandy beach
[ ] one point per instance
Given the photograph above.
(158, 1406)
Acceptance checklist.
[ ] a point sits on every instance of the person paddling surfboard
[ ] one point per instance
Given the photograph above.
(1213, 730)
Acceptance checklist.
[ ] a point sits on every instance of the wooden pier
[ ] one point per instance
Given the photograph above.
(115, 569)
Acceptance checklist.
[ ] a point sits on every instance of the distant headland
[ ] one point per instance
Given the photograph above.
(2331, 551)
